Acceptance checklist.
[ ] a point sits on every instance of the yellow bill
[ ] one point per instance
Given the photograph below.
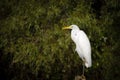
(68, 27)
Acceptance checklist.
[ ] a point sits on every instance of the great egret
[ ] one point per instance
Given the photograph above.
(83, 46)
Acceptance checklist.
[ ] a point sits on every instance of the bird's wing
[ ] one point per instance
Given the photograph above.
(84, 45)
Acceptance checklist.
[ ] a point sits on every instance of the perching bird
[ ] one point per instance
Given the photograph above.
(83, 46)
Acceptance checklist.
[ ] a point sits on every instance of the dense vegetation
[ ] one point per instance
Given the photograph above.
(33, 45)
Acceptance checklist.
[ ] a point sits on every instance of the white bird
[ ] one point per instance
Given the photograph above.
(82, 42)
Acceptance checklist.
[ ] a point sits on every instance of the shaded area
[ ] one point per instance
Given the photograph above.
(34, 47)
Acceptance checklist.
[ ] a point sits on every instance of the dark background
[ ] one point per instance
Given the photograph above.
(33, 45)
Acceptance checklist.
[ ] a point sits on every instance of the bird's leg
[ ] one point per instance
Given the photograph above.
(83, 66)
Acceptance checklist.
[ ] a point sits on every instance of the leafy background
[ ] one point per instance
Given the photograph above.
(33, 45)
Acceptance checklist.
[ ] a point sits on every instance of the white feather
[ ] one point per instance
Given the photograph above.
(82, 42)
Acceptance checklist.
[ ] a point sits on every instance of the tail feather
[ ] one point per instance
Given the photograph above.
(88, 63)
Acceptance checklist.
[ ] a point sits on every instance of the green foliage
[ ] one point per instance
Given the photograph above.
(33, 45)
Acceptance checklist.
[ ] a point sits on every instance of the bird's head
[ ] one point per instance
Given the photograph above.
(71, 27)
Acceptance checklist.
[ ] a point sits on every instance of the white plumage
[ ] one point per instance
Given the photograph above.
(82, 42)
